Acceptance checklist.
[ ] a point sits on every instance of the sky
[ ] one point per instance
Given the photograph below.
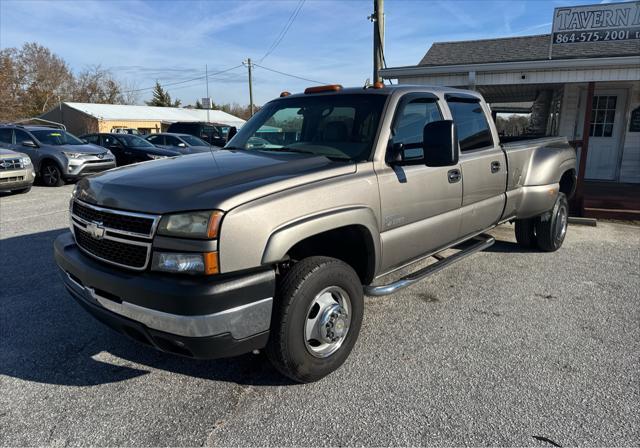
(142, 41)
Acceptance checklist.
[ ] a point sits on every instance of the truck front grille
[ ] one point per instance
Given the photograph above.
(113, 236)
(113, 219)
(122, 254)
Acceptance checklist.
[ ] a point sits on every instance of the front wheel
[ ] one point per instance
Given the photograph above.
(51, 175)
(552, 227)
(316, 318)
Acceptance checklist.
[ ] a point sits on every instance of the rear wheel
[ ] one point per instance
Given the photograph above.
(316, 318)
(525, 232)
(552, 228)
(51, 175)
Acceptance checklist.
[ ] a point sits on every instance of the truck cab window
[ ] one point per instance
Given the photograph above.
(410, 122)
(471, 125)
(5, 136)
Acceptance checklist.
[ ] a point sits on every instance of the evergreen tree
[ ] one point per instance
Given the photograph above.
(161, 98)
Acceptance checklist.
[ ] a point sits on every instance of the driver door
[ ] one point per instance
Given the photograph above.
(420, 205)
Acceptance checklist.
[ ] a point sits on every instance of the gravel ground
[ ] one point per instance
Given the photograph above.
(509, 347)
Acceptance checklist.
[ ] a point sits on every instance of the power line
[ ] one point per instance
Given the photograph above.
(288, 74)
(185, 81)
(285, 29)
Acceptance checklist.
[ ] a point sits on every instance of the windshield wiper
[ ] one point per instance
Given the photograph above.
(287, 149)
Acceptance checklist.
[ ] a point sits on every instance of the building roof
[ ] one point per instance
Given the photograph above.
(151, 113)
(524, 48)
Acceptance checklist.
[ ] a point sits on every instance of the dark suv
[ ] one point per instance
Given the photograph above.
(209, 132)
(57, 155)
(129, 148)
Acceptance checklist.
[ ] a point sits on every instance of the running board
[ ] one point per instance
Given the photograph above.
(483, 242)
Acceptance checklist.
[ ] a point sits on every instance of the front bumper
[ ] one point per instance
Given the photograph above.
(195, 317)
(17, 179)
(77, 168)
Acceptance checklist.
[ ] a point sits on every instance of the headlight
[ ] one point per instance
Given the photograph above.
(72, 155)
(185, 263)
(156, 157)
(191, 225)
(26, 161)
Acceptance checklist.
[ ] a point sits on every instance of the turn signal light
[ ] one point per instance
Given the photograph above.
(378, 85)
(211, 263)
(214, 224)
(319, 89)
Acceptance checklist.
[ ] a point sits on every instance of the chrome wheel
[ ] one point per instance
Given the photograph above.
(561, 223)
(328, 321)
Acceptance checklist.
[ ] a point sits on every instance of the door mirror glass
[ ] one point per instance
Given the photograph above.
(29, 143)
(440, 143)
(182, 145)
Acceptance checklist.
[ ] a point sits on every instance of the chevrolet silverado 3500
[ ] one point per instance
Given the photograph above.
(272, 242)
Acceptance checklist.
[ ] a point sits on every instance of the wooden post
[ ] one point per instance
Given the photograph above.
(584, 151)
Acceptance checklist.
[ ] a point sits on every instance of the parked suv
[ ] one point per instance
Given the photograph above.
(210, 132)
(184, 143)
(128, 148)
(57, 155)
(16, 171)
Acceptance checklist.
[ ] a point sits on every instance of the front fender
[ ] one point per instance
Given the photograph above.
(287, 236)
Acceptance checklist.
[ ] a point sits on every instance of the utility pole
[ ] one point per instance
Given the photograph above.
(206, 71)
(250, 66)
(378, 38)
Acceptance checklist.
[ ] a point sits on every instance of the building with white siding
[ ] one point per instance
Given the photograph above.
(581, 81)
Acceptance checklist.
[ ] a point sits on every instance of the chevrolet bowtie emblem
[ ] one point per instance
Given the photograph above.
(96, 230)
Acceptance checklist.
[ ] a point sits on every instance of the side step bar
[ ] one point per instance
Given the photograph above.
(483, 242)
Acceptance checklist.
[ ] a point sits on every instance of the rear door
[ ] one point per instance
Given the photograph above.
(419, 204)
(483, 164)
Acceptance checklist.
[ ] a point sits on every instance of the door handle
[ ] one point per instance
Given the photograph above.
(495, 166)
(454, 176)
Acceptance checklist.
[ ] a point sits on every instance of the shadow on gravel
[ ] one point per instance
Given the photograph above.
(45, 336)
(507, 247)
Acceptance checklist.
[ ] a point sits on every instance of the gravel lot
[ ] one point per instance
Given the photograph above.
(508, 347)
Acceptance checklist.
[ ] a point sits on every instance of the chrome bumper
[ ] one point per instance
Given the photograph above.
(241, 322)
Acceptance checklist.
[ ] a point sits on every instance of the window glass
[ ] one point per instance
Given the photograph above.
(21, 136)
(603, 115)
(194, 141)
(471, 125)
(171, 140)
(339, 127)
(95, 139)
(156, 139)
(56, 137)
(410, 123)
(134, 141)
(5, 136)
(110, 141)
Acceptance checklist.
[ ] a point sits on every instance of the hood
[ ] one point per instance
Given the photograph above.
(218, 180)
(7, 153)
(87, 148)
(197, 149)
(159, 151)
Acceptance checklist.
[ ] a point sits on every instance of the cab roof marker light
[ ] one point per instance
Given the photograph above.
(320, 89)
(285, 93)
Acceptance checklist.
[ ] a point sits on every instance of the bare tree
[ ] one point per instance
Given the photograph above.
(97, 85)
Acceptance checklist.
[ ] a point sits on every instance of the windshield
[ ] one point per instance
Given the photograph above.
(340, 127)
(133, 141)
(57, 137)
(193, 141)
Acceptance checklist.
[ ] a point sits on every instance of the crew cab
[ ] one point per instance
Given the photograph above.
(273, 245)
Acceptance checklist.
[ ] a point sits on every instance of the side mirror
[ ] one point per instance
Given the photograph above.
(182, 145)
(440, 143)
(29, 143)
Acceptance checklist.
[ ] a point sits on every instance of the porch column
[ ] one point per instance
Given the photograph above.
(584, 151)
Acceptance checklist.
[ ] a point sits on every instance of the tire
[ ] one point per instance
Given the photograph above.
(320, 297)
(22, 190)
(525, 233)
(51, 175)
(551, 229)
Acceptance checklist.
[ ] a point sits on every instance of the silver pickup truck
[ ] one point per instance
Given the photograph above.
(273, 241)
